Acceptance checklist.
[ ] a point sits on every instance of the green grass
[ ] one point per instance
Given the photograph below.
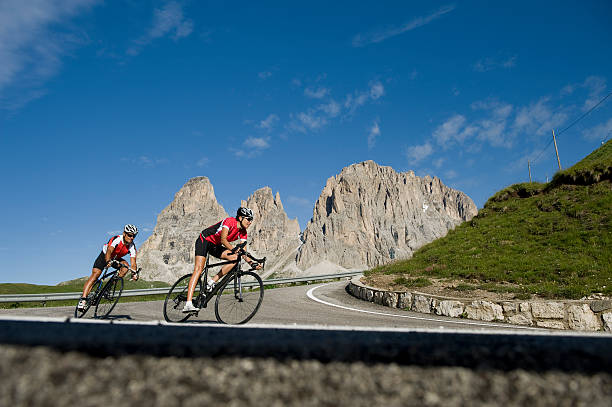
(71, 287)
(551, 240)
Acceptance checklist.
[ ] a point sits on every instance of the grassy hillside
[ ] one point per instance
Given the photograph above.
(71, 287)
(551, 240)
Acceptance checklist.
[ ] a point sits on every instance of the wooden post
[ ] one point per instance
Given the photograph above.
(529, 167)
(556, 150)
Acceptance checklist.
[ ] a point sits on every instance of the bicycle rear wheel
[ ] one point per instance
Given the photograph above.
(237, 304)
(90, 299)
(109, 296)
(176, 298)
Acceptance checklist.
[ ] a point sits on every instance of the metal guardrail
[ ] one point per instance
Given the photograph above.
(164, 290)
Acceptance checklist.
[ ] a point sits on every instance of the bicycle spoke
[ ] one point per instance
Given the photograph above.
(95, 289)
(109, 297)
(238, 305)
(176, 298)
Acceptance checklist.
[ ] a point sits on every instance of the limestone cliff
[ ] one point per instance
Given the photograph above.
(369, 214)
(168, 253)
(272, 233)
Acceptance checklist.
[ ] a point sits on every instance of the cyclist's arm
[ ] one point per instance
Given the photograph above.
(223, 237)
(133, 254)
(109, 253)
(133, 266)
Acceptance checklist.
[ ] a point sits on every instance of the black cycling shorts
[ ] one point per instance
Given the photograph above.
(100, 262)
(203, 247)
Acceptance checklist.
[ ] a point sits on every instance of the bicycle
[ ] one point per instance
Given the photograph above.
(234, 304)
(105, 294)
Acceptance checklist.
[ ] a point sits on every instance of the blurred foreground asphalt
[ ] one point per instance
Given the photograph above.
(57, 362)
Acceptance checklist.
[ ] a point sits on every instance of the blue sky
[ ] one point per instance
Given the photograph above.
(108, 107)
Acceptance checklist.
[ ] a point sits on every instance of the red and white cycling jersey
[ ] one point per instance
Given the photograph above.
(119, 247)
(213, 233)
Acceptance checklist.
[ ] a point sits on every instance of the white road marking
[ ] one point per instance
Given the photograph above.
(312, 297)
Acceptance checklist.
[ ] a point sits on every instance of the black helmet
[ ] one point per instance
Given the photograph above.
(246, 212)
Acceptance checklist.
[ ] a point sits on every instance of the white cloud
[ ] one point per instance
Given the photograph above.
(202, 162)
(538, 119)
(168, 20)
(358, 99)
(489, 63)
(146, 161)
(259, 143)
(601, 132)
(596, 86)
(319, 93)
(311, 120)
(264, 75)
(374, 134)
(376, 90)
(252, 147)
(449, 130)
(417, 154)
(269, 122)
(361, 40)
(493, 127)
(450, 174)
(332, 109)
(438, 163)
(320, 115)
(30, 51)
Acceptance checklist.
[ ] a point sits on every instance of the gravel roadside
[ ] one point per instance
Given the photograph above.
(41, 376)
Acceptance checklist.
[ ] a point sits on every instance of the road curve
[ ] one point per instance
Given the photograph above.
(294, 353)
(322, 304)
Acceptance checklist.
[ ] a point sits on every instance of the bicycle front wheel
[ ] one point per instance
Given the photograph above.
(238, 300)
(90, 300)
(109, 296)
(176, 298)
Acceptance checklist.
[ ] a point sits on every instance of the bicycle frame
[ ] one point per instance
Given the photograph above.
(204, 297)
(105, 274)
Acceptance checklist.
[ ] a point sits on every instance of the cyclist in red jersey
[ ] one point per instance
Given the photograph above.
(117, 247)
(216, 240)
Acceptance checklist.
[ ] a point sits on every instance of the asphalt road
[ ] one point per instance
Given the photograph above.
(425, 361)
(321, 304)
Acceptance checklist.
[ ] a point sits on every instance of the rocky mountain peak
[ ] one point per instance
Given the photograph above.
(370, 214)
(272, 232)
(169, 252)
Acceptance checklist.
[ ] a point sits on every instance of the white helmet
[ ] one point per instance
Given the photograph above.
(130, 229)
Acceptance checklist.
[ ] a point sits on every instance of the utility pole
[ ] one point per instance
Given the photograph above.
(556, 150)
(529, 166)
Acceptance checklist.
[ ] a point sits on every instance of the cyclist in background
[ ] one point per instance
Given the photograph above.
(216, 240)
(117, 247)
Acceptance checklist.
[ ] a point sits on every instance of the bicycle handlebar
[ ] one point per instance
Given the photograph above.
(240, 249)
(117, 265)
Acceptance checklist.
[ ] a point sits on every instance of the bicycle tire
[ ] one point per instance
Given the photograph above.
(108, 297)
(235, 304)
(90, 299)
(176, 298)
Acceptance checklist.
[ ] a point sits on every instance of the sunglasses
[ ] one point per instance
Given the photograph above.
(130, 235)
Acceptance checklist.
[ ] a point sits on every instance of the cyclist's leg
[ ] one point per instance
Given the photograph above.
(197, 271)
(198, 266)
(96, 271)
(225, 255)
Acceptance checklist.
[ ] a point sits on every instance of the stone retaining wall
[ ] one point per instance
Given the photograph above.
(592, 315)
